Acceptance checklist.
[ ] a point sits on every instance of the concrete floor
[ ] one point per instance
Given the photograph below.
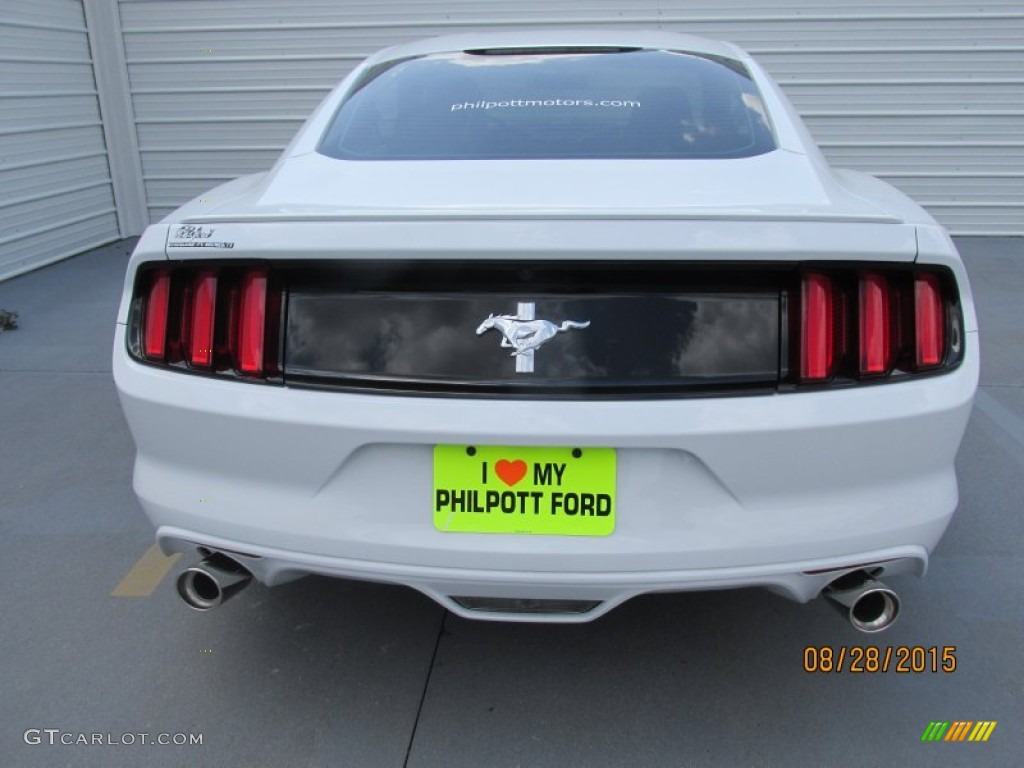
(328, 673)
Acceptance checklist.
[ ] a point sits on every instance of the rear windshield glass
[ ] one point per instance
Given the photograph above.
(627, 104)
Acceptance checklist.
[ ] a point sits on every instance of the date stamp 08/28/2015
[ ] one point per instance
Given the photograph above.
(871, 659)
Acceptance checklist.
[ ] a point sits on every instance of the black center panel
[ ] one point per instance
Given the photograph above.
(651, 329)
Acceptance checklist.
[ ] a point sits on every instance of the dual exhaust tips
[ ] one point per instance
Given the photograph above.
(211, 582)
(869, 605)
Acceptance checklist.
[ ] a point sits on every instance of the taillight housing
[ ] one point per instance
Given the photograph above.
(154, 326)
(817, 327)
(872, 323)
(839, 324)
(929, 323)
(220, 319)
(874, 326)
(200, 305)
(252, 323)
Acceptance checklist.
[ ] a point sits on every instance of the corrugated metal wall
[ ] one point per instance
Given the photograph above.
(928, 94)
(56, 197)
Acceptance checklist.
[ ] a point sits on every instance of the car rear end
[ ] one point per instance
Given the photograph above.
(734, 394)
(773, 422)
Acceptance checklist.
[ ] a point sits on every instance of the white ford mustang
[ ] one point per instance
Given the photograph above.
(535, 323)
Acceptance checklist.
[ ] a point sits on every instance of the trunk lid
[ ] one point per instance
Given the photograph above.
(777, 185)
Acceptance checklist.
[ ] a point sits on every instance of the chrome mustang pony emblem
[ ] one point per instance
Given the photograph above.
(523, 334)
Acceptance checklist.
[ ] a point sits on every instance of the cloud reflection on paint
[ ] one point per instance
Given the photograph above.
(631, 339)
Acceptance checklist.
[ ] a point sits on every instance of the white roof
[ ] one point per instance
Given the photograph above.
(548, 37)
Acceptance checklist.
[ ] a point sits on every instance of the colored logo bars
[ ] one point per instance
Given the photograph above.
(958, 730)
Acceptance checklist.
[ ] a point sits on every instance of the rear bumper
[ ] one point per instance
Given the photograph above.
(712, 492)
(797, 581)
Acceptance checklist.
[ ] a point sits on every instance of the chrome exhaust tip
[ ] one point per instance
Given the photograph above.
(869, 605)
(211, 582)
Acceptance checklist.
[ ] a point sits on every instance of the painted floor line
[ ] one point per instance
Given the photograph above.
(146, 575)
(1011, 423)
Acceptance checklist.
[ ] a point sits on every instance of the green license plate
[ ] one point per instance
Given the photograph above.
(552, 491)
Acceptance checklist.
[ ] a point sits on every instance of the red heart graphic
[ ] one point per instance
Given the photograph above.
(510, 472)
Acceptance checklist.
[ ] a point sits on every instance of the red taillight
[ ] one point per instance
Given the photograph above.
(252, 321)
(155, 330)
(887, 322)
(210, 318)
(817, 329)
(929, 322)
(203, 311)
(875, 328)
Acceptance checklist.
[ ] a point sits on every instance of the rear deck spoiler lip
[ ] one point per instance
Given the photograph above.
(546, 214)
(524, 237)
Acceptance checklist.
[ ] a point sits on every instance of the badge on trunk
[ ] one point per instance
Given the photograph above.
(524, 334)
